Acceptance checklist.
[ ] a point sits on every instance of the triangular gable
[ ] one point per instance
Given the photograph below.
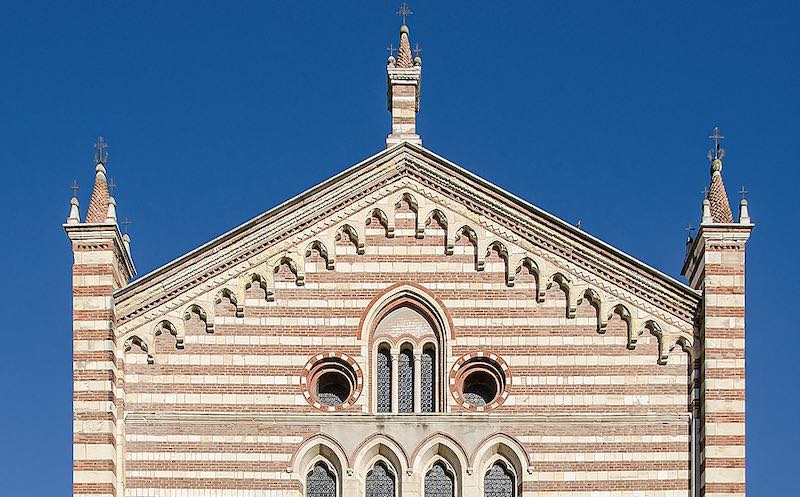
(407, 165)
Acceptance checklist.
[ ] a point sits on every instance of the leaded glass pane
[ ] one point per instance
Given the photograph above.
(380, 482)
(320, 482)
(384, 381)
(405, 381)
(498, 482)
(439, 482)
(427, 382)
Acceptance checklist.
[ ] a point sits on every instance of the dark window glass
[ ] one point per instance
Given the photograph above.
(439, 482)
(332, 389)
(498, 482)
(384, 381)
(380, 482)
(320, 482)
(405, 381)
(427, 381)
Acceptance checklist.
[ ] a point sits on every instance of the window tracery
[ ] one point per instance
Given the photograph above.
(320, 482)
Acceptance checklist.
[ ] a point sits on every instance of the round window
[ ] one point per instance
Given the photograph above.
(480, 388)
(333, 388)
(479, 381)
(332, 382)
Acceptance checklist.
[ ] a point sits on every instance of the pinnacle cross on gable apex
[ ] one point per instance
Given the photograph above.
(404, 74)
(719, 206)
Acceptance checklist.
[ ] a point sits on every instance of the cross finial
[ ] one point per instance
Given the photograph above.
(417, 49)
(391, 49)
(743, 192)
(100, 152)
(125, 223)
(705, 192)
(74, 187)
(404, 12)
(111, 185)
(716, 152)
(689, 230)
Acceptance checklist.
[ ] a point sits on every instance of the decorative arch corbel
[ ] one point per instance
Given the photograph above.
(266, 281)
(321, 247)
(176, 329)
(416, 206)
(354, 232)
(235, 296)
(387, 222)
(563, 282)
(295, 263)
(208, 319)
(595, 300)
(144, 344)
(435, 213)
(472, 236)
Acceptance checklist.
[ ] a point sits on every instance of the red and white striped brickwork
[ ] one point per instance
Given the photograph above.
(718, 268)
(99, 267)
(220, 411)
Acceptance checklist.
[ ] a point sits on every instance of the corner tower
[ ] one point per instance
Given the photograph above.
(404, 75)
(715, 265)
(101, 264)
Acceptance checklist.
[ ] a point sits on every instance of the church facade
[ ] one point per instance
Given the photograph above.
(407, 329)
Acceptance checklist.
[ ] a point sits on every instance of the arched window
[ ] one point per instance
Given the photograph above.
(428, 380)
(405, 381)
(498, 481)
(320, 482)
(380, 481)
(384, 381)
(439, 481)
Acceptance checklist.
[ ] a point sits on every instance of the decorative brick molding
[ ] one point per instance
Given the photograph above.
(479, 361)
(329, 362)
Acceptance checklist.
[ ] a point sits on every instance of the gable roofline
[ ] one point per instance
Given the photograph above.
(381, 156)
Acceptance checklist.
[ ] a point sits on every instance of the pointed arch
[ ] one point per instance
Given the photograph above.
(315, 449)
(508, 447)
(262, 281)
(380, 444)
(439, 445)
(429, 309)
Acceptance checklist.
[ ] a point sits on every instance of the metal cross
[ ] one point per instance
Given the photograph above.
(743, 192)
(689, 230)
(705, 192)
(717, 152)
(578, 224)
(126, 222)
(417, 49)
(391, 50)
(404, 12)
(100, 153)
(111, 185)
(74, 187)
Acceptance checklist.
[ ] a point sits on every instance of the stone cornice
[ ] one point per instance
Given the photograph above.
(91, 232)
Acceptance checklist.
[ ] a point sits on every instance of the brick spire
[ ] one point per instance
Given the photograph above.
(719, 206)
(404, 58)
(717, 197)
(98, 205)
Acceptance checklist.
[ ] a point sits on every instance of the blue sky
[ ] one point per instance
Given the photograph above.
(217, 111)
